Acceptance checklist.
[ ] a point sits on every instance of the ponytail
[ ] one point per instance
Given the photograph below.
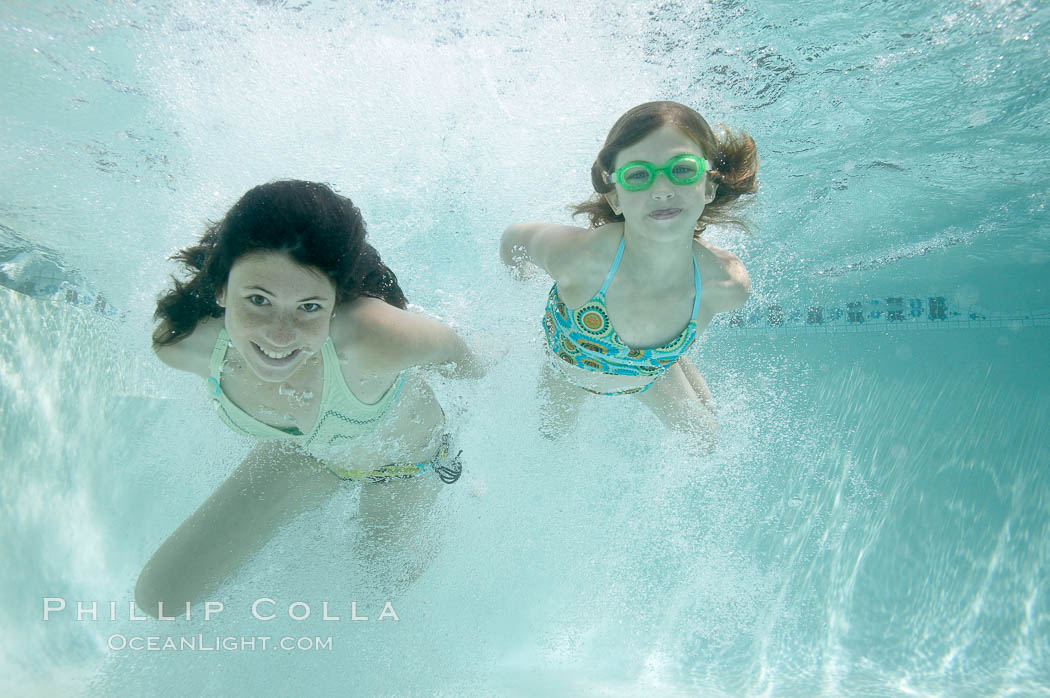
(735, 170)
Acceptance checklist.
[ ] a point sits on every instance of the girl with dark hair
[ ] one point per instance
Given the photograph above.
(632, 291)
(302, 335)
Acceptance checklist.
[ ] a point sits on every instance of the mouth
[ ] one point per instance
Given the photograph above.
(276, 358)
(665, 213)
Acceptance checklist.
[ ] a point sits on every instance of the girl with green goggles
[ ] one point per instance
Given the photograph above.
(642, 261)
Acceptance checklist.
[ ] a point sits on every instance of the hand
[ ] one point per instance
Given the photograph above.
(523, 271)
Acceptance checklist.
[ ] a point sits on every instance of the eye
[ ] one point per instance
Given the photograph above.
(256, 297)
(684, 171)
(637, 174)
(311, 307)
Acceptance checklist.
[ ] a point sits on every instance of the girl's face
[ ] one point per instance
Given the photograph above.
(664, 205)
(278, 312)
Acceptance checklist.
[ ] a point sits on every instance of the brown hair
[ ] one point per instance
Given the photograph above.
(732, 154)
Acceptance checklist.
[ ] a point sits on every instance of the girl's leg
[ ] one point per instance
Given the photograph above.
(268, 489)
(697, 381)
(673, 399)
(563, 402)
(394, 517)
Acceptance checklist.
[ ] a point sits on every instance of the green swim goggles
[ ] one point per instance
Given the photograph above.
(639, 174)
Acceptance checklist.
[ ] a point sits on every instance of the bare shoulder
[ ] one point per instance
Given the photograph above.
(373, 332)
(355, 323)
(548, 233)
(715, 263)
(383, 339)
(193, 352)
(726, 283)
(589, 255)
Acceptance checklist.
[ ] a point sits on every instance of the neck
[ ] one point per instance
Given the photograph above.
(656, 256)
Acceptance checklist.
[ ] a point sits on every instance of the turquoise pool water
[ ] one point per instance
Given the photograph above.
(875, 521)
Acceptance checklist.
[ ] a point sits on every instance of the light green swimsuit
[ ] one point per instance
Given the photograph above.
(342, 418)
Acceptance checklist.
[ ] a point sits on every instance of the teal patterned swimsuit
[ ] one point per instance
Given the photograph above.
(584, 337)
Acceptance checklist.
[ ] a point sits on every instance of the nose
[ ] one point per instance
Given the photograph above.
(662, 188)
(281, 332)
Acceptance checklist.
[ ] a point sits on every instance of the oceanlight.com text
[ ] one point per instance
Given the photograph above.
(217, 643)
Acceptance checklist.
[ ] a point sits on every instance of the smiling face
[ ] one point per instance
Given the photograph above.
(664, 204)
(278, 312)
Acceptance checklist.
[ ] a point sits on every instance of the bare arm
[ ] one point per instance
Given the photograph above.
(192, 353)
(451, 355)
(513, 246)
(544, 244)
(730, 286)
(408, 339)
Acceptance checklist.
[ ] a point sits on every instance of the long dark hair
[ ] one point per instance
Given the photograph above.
(306, 220)
(732, 154)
